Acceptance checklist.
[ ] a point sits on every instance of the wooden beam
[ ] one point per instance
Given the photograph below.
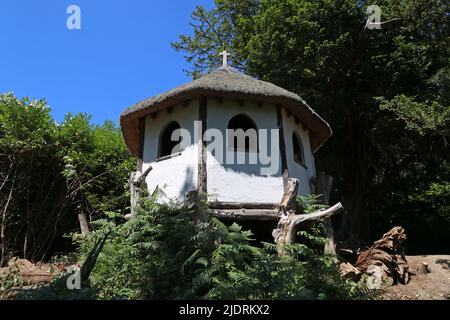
(289, 200)
(153, 115)
(312, 217)
(244, 214)
(282, 145)
(170, 156)
(242, 205)
(141, 128)
(202, 154)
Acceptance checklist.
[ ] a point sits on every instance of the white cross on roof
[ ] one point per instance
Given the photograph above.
(225, 55)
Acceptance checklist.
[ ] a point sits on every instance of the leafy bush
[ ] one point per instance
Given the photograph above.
(166, 252)
(11, 278)
(50, 172)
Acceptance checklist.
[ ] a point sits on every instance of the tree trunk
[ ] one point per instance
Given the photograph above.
(84, 224)
(323, 187)
(136, 181)
(284, 233)
(3, 259)
(356, 175)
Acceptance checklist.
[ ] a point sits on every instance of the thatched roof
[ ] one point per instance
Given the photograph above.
(228, 83)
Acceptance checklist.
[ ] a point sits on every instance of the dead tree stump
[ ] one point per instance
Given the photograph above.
(284, 233)
(136, 181)
(424, 268)
(387, 254)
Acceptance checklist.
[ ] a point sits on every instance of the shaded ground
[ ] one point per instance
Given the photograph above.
(31, 273)
(431, 286)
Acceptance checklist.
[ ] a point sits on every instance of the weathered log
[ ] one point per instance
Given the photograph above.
(136, 180)
(84, 225)
(318, 215)
(387, 254)
(376, 276)
(401, 269)
(287, 210)
(373, 256)
(391, 240)
(348, 271)
(288, 224)
(288, 202)
(241, 205)
(247, 214)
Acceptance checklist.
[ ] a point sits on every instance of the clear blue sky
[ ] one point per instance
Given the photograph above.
(121, 55)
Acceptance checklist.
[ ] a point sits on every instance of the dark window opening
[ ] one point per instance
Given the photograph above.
(297, 145)
(166, 145)
(250, 134)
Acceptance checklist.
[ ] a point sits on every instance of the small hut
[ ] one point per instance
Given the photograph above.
(245, 176)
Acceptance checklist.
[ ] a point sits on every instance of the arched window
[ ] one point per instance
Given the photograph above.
(166, 145)
(242, 134)
(297, 146)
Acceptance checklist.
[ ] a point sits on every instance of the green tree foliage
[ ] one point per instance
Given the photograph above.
(50, 172)
(385, 92)
(164, 254)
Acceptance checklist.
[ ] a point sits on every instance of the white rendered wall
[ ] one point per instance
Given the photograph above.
(225, 182)
(295, 169)
(176, 176)
(241, 182)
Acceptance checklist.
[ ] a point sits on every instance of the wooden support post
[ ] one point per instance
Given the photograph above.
(289, 222)
(287, 209)
(202, 154)
(84, 224)
(288, 202)
(141, 128)
(282, 145)
(323, 187)
(284, 234)
(202, 179)
(136, 181)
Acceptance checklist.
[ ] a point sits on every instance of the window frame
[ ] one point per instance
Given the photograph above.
(161, 157)
(300, 144)
(254, 126)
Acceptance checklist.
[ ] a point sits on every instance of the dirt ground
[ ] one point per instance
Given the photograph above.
(31, 273)
(432, 286)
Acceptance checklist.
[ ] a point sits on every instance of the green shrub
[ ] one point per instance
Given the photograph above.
(165, 254)
(50, 172)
